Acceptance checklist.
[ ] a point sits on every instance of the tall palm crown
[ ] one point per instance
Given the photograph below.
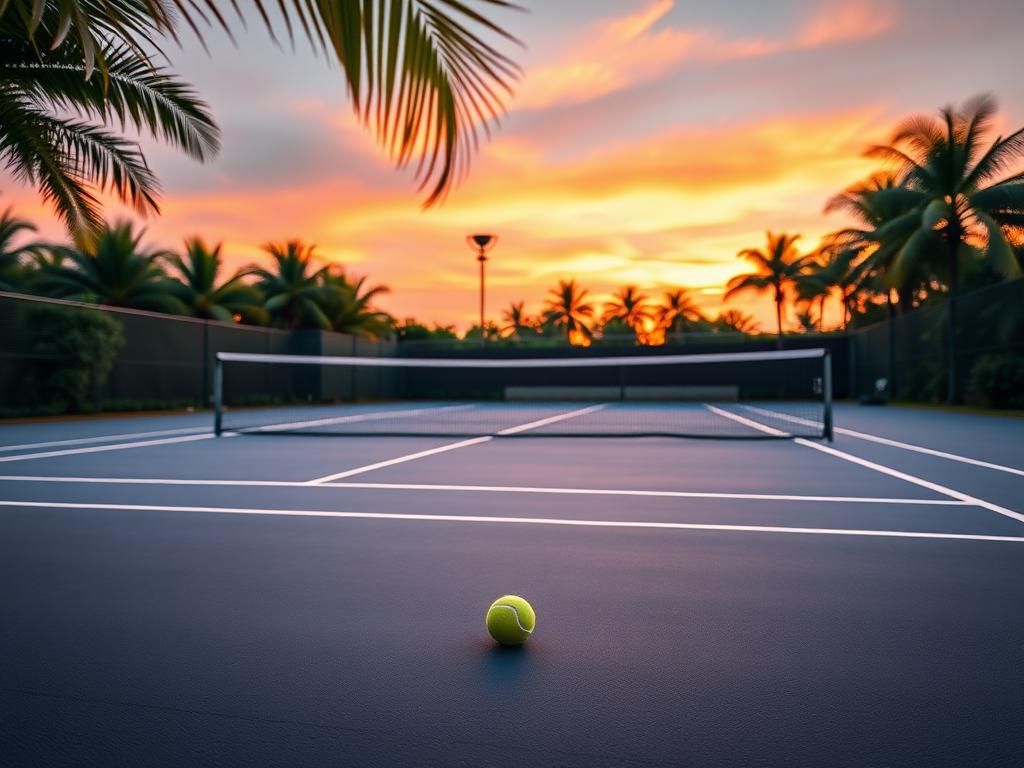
(421, 73)
(56, 120)
(350, 305)
(950, 189)
(114, 270)
(961, 202)
(678, 312)
(567, 307)
(292, 290)
(515, 320)
(779, 266)
(629, 307)
(198, 289)
(12, 270)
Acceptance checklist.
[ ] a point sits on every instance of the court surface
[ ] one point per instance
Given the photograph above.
(171, 598)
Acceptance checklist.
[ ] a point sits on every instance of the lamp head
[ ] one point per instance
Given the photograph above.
(482, 242)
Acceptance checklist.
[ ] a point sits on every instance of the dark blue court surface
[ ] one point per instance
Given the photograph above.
(170, 598)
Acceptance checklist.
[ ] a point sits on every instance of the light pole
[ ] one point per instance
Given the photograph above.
(482, 243)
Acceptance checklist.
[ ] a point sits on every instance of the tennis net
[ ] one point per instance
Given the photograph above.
(751, 395)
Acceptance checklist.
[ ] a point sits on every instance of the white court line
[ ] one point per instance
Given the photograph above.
(103, 438)
(399, 460)
(945, 491)
(452, 446)
(357, 417)
(747, 422)
(485, 489)
(426, 518)
(102, 448)
(913, 479)
(553, 419)
(891, 443)
(203, 435)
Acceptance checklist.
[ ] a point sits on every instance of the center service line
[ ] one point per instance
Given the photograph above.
(455, 446)
(426, 518)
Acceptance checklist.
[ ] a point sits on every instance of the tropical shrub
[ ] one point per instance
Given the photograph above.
(997, 381)
(73, 351)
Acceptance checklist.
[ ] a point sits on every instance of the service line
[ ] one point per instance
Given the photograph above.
(450, 488)
(547, 521)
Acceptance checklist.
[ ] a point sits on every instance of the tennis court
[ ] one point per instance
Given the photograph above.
(171, 597)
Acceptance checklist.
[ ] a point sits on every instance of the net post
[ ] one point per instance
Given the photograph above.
(826, 377)
(218, 395)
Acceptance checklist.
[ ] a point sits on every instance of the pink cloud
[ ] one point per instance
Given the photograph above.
(617, 53)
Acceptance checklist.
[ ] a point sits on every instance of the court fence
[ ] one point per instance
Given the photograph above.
(62, 356)
(905, 357)
(52, 356)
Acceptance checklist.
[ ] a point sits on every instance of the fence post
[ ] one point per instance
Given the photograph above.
(206, 363)
(827, 393)
(218, 395)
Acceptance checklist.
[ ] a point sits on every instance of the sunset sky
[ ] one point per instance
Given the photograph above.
(648, 142)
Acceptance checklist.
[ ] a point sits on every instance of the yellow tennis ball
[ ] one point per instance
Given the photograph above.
(511, 620)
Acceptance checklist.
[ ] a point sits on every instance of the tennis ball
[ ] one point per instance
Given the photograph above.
(511, 620)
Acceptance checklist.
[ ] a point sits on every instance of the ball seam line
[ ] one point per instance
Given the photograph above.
(515, 613)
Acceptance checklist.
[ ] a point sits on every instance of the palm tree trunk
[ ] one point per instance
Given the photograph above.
(778, 317)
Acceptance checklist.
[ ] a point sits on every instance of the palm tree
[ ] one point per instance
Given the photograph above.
(114, 270)
(829, 270)
(736, 321)
(56, 118)
(567, 308)
(871, 246)
(12, 268)
(778, 268)
(629, 307)
(202, 296)
(678, 312)
(516, 321)
(951, 184)
(292, 291)
(349, 305)
(421, 73)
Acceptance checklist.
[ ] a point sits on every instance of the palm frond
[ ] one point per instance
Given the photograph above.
(421, 73)
(134, 92)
